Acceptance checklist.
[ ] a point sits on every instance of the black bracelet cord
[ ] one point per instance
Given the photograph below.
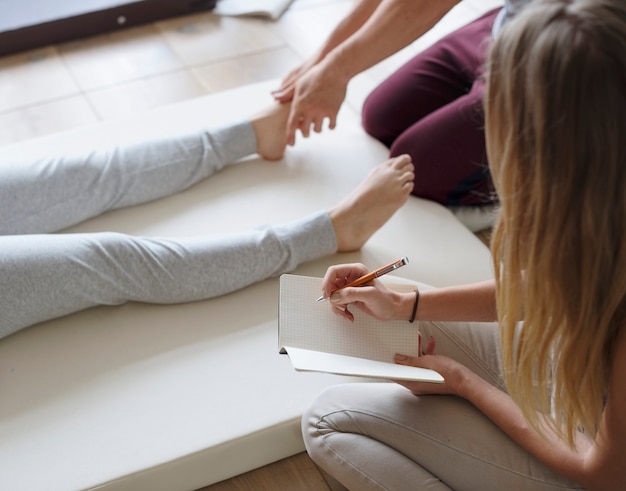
(417, 300)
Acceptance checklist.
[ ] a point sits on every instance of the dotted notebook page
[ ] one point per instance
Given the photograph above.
(305, 323)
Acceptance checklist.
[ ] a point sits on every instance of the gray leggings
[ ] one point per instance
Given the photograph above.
(380, 436)
(44, 275)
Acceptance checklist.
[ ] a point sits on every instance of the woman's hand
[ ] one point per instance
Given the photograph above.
(285, 92)
(452, 371)
(340, 275)
(316, 93)
(373, 298)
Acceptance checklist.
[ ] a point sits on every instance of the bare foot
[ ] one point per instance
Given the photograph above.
(371, 204)
(270, 129)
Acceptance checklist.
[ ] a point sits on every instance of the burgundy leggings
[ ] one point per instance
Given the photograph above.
(432, 109)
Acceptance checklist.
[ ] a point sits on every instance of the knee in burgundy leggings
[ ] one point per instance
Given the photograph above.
(432, 109)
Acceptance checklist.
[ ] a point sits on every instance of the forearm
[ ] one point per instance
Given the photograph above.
(472, 303)
(392, 26)
(502, 410)
(604, 463)
(359, 15)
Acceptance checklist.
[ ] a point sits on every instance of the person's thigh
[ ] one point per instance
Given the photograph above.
(474, 344)
(432, 110)
(430, 80)
(449, 153)
(380, 436)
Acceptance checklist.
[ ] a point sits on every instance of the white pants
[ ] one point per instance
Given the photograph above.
(44, 275)
(380, 436)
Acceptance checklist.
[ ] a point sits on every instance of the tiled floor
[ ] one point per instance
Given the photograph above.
(110, 76)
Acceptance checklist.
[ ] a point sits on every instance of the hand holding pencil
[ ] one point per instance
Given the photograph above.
(366, 278)
(373, 298)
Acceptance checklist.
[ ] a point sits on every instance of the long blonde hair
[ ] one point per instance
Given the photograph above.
(556, 138)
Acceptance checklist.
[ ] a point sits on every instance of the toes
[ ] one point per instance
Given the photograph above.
(400, 161)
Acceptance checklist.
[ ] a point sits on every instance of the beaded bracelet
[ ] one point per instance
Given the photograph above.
(417, 299)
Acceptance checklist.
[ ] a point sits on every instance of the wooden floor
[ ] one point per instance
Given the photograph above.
(80, 83)
(297, 473)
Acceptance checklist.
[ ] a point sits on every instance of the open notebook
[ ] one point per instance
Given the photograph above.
(317, 340)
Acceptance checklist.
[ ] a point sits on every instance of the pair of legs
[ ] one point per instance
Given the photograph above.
(431, 109)
(381, 436)
(45, 275)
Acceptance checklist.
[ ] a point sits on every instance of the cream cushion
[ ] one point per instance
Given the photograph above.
(178, 397)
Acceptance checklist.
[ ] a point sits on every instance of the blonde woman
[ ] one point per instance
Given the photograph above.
(536, 401)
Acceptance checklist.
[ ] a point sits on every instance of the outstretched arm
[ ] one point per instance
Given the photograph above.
(377, 34)
(346, 28)
(392, 26)
(603, 466)
(473, 302)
